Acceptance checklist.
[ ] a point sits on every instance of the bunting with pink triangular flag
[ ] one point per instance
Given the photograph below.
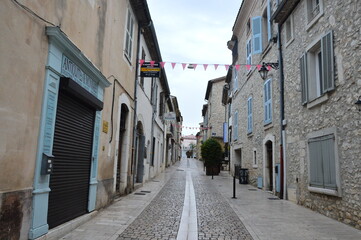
(184, 65)
(205, 66)
(173, 65)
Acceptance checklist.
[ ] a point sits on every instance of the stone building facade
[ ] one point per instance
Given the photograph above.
(253, 103)
(215, 110)
(321, 52)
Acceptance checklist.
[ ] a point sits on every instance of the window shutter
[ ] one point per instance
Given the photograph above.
(265, 102)
(268, 101)
(269, 24)
(328, 81)
(328, 162)
(257, 34)
(235, 124)
(316, 178)
(249, 119)
(304, 79)
(249, 52)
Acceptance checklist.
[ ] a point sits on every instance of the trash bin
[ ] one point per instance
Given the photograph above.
(243, 176)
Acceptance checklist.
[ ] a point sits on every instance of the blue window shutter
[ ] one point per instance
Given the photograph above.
(257, 34)
(249, 115)
(267, 101)
(269, 24)
(235, 126)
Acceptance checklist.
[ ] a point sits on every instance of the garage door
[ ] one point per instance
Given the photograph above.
(72, 149)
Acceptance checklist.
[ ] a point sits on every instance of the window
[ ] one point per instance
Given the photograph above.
(289, 29)
(254, 158)
(257, 35)
(317, 69)
(235, 79)
(142, 78)
(267, 101)
(268, 21)
(235, 126)
(249, 52)
(129, 34)
(161, 103)
(249, 116)
(314, 10)
(322, 162)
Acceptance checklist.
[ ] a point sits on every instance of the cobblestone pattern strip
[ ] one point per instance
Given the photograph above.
(216, 218)
(161, 218)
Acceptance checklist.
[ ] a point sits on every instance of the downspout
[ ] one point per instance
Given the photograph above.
(283, 161)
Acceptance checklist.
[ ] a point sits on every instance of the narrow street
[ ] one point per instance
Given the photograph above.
(184, 203)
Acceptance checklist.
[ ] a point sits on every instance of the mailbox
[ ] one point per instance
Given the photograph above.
(47, 164)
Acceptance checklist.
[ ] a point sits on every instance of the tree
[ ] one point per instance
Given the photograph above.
(212, 153)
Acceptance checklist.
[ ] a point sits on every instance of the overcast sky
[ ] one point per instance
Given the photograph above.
(193, 31)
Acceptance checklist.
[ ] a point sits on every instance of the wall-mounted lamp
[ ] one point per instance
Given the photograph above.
(358, 103)
(190, 66)
(263, 71)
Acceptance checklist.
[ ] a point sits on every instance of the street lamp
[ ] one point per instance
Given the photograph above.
(358, 103)
(263, 71)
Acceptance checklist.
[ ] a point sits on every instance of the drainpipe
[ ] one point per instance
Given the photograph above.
(283, 164)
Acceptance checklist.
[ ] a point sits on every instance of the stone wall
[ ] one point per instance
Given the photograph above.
(250, 84)
(337, 110)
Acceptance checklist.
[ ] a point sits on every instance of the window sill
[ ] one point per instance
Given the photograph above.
(317, 101)
(324, 191)
(267, 126)
(313, 21)
(250, 134)
(255, 166)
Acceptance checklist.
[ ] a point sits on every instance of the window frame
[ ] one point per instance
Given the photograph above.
(249, 52)
(291, 30)
(311, 18)
(129, 36)
(324, 80)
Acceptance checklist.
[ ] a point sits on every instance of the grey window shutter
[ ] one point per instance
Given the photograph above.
(304, 79)
(328, 79)
(328, 159)
(316, 171)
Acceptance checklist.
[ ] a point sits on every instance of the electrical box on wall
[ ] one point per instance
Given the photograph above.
(47, 164)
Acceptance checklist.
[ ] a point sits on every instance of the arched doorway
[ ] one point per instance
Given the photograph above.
(124, 112)
(269, 166)
(269, 162)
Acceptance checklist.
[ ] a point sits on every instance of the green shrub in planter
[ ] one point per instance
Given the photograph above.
(212, 154)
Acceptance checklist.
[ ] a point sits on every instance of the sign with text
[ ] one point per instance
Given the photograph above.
(170, 116)
(149, 70)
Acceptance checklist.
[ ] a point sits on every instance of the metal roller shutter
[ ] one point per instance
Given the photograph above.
(73, 140)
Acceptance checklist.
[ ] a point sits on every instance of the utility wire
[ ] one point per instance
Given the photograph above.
(31, 12)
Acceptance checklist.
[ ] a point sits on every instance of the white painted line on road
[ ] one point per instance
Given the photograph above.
(188, 228)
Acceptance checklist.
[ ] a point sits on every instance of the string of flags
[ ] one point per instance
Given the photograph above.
(185, 127)
(205, 65)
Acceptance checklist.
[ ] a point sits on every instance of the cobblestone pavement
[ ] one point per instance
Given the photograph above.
(161, 218)
(216, 218)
